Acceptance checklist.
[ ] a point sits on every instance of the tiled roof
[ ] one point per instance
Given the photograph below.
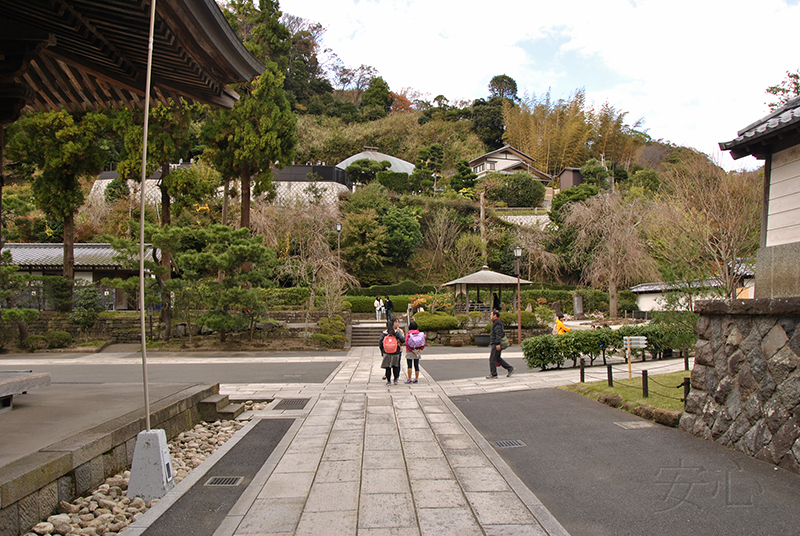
(743, 270)
(51, 256)
(505, 149)
(756, 138)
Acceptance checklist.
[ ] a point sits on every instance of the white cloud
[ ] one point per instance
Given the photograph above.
(695, 70)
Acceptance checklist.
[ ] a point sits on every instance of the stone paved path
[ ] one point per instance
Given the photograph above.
(369, 459)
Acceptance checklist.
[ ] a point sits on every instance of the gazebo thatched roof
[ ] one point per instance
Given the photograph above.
(487, 278)
(483, 279)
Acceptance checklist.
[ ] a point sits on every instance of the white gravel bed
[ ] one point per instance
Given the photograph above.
(107, 511)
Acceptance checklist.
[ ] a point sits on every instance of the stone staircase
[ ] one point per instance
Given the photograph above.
(219, 407)
(366, 334)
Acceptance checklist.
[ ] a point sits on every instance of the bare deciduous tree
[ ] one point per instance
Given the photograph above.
(440, 235)
(608, 231)
(710, 219)
(300, 235)
(465, 256)
(541, 264)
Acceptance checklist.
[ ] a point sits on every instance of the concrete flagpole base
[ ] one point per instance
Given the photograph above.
(151, 472)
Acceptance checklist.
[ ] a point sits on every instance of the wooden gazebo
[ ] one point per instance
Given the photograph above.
(492, 282)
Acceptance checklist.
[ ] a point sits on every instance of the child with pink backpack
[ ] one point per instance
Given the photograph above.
(415, 343)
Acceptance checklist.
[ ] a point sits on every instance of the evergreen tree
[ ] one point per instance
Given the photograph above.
(63, 148)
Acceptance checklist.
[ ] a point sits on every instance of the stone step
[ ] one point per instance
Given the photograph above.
(218, 407)
(231, 411)
(365, 335)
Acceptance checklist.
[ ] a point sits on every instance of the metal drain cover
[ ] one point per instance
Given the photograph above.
(635, 425)
(509, 443)
(224, 481)
(292, 403)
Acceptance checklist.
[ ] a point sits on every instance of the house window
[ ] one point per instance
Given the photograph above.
(491, 166)
(478, 168)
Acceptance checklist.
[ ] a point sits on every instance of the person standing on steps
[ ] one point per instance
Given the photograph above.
(391, 345)
(378, 304)
(495, 357)
(388, 307)
(415, 343)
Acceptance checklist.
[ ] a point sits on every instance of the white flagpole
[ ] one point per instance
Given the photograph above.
(141, 212)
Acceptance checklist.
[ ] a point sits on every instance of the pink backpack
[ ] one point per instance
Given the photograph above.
(390, 344)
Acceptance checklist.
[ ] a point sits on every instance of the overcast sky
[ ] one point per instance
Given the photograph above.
(694, 70)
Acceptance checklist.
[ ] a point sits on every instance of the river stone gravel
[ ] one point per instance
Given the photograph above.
(108, 510)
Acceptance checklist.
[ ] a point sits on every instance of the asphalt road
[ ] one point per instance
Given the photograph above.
(186, 373)
(603, 471)
(471, 367)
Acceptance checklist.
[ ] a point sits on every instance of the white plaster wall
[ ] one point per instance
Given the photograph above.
(648, 302)
(783, 218)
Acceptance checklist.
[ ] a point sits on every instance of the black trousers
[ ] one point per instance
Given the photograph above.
(496, 358)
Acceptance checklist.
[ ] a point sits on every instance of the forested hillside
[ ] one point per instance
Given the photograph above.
(613, 231)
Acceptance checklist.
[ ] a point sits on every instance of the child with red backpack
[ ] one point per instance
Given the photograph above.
(415, 343)
(391, 347)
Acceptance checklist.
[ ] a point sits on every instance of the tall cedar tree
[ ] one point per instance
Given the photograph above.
(168, 140)
(259, 132)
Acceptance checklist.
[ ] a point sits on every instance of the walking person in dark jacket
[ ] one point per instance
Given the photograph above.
(388, 307)
(495, 357)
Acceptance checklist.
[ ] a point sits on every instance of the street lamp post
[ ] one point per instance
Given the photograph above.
(339, 255)
(518, 255)
(339, 246)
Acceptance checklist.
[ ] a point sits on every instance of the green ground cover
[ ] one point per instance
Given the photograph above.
(662, 388)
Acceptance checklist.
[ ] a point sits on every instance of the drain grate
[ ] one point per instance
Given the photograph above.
(292, 403)
(509, 443)
(224, 481)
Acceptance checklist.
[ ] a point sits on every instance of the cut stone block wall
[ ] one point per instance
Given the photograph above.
(746, 378)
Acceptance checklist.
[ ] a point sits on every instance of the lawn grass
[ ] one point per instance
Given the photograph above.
(631, 390)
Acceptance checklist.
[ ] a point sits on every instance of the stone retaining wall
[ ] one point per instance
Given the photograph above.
(128, 330)
(746, 380)
(32, 487)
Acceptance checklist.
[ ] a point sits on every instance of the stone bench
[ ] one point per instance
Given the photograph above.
(15, 382)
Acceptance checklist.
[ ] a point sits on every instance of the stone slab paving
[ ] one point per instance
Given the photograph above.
(371, 459)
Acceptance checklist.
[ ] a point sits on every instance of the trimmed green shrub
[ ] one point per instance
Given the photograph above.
(563, 296)
(660, 337)
(288, 297)
(529, 320)
(435, 321)
(58, 339)
(542, 351)
(331, 332)
(363, 304)
(406, 288)
(34, 342)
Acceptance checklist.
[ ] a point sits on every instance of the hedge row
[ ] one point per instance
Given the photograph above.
(398, 289)
(361, 298)
(593, 300)
(364, 304)
(288, 297)
(553, 350)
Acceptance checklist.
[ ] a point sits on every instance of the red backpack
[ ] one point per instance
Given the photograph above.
(390, 344)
